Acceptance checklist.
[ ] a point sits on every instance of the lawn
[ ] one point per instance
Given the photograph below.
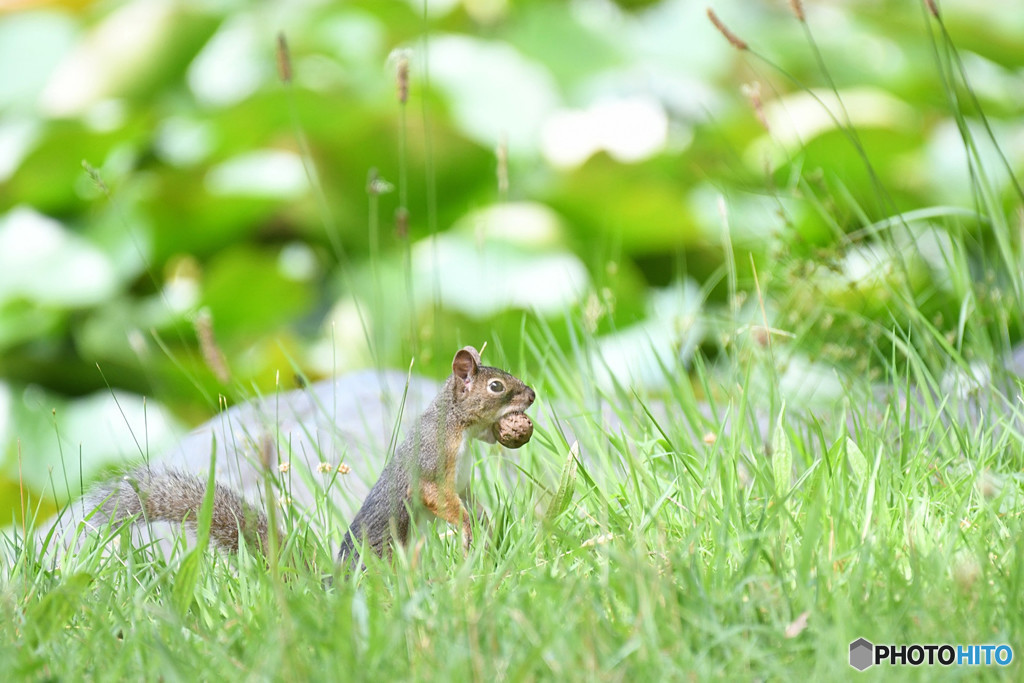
(777, 351)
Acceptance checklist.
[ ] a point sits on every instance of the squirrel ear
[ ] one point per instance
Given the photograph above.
(465, 363)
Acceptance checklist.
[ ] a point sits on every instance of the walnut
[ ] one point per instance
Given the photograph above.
(513, 430)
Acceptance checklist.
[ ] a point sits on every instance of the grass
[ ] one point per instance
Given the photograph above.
(710, 529)
(669, 555)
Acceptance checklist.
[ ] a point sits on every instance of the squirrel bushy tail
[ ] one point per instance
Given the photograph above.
(168, 495)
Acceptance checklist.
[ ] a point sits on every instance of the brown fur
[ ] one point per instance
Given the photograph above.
(421, 475)
(173, 496)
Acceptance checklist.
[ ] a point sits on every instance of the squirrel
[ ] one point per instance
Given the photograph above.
(476, 401)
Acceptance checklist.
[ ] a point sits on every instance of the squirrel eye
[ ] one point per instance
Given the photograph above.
(496, 386)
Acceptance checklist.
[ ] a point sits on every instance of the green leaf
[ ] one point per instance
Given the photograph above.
(858, 463)
(782, 456)
(206, 510)
(57, 607)
(188, 573)
(247, 291)
(185, 581)
(566, 485)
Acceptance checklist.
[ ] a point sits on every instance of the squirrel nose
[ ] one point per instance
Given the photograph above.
(530, 396)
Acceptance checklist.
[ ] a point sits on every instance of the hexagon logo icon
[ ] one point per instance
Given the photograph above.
(861, 654)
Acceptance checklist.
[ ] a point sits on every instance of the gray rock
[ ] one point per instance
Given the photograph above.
(305, 434)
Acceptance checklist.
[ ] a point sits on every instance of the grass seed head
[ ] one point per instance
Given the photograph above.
(733, 39)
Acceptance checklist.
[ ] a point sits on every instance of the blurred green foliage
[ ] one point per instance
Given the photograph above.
(624, 127)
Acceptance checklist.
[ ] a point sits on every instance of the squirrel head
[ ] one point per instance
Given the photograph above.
(482, 395)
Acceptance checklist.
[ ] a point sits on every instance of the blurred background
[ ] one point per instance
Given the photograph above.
(416, 176)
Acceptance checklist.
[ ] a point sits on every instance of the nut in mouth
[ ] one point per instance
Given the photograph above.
(513, 430)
